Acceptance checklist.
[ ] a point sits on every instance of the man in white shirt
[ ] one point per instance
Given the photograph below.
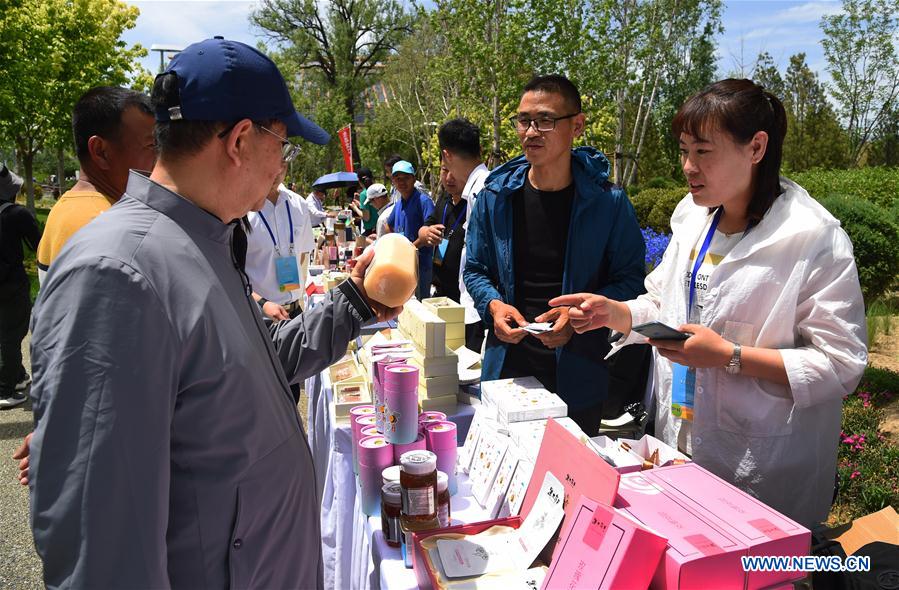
(279, 241)
(316, 205)
(460, 153)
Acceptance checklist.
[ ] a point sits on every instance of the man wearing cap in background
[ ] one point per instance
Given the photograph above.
(376, 201)
(17, 225)
(168, 450)
(408, 216)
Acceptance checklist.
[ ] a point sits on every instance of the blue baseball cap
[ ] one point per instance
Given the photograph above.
(403, 167)
(224, 80)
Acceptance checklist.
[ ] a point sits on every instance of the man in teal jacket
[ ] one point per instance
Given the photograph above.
(550, 223)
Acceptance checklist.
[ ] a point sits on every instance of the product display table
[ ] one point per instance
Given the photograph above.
(352, 559)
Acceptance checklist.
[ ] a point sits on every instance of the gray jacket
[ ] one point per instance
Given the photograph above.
(168, 451)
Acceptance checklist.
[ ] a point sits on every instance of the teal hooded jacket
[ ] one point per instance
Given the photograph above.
(605, 255)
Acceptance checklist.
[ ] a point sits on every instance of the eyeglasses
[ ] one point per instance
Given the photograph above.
(541, 124)
(289, 150)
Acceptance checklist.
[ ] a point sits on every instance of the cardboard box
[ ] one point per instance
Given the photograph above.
(446, 309)
(448, 364)
(602, 548)
(882, 525)
(432, 387)
(647, 447)
(622, 460)
(485, 463)
(445, 404)
(532, 404)
(763, 530)
(424, 328)
(518, 487)
(424, 576)
(501, 482)
(349, 394)
(699, 555)
(576, 466)
(456, 343)
(344, 370)
(496, 389)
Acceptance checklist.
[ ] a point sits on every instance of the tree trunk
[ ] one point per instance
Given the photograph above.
(28, 161)
(60, 170)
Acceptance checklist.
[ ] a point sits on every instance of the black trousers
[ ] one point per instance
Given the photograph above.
(15, 312)
(474, 336)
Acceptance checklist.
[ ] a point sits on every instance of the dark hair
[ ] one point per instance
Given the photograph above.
(99, 112)
(181, 137)
(556, 84)
(364, 173)
(740, 108)
(460, 136)
(392, 159)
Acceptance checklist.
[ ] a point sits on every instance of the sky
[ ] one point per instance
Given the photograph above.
(782, 28)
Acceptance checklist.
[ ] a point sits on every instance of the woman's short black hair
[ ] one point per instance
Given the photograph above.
(99, 112)
(741, 108)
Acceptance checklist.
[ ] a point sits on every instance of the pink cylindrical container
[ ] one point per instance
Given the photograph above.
(441, 437)
(378, 387)
(419, 444)
(356, 426)
(370, 430)
(375, 455)
(428, 417)
(400, 404)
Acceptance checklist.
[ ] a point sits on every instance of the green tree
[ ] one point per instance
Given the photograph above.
(53, 51)
(814, 135)
(860, 47)
(766, 73)
(344, 42)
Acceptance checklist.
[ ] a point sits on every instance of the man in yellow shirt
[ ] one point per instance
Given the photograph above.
(113, 132)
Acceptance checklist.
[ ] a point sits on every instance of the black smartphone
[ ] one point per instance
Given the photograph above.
(659, 331)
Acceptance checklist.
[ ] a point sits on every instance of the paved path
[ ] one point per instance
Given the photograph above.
(20, 567)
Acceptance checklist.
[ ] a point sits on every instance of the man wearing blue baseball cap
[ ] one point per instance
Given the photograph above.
(168, 451)
(408, 216)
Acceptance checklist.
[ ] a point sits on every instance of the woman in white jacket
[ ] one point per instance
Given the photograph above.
(775, 311)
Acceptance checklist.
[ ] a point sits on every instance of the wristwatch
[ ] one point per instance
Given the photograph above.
(734, 365)
(262, 302)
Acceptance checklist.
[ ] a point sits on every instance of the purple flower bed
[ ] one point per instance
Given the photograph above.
(656, 243)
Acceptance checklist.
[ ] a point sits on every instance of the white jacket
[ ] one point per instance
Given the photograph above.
(789, 284)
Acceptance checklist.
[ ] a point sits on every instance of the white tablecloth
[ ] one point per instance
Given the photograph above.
(347, 550)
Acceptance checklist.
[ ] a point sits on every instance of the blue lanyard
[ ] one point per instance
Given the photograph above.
(458, 219)
(700, 256)
(272, 234)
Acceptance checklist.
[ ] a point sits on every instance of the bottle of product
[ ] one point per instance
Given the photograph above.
(443, 500)
(392, 276)
(418, 480)
(391, 508)
(332, 250)
(418, 477)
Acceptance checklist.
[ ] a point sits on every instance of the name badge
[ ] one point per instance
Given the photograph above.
(287, 273)
(683, 385)
(440, 251)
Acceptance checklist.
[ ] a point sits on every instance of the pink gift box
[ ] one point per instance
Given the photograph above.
(580, 470)
(602, 548)
(756, 525)
(699, 555)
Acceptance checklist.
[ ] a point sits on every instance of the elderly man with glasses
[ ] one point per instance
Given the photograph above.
(550, 223)
(168, 450)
